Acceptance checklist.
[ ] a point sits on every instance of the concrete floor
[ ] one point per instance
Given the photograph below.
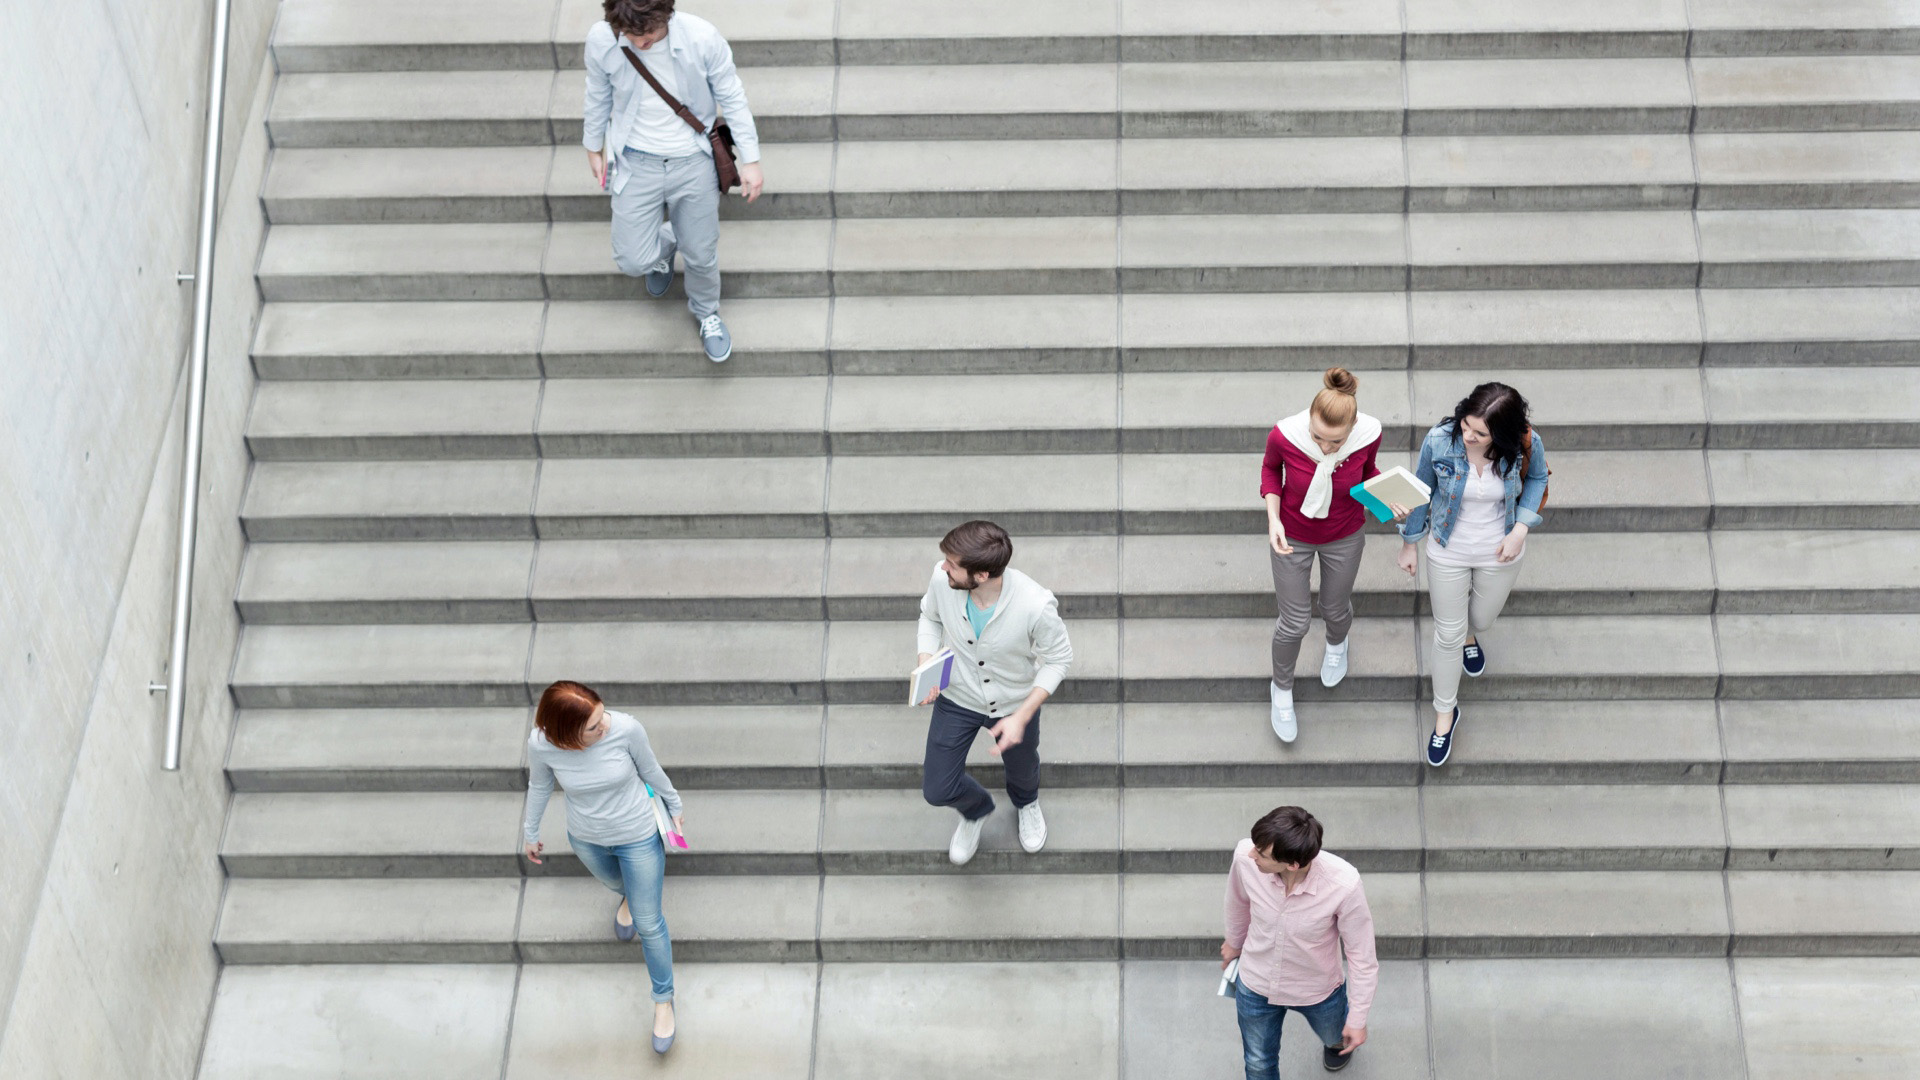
(1151, 1020)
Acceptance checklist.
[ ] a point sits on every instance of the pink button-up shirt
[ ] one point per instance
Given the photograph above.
(1290, 945)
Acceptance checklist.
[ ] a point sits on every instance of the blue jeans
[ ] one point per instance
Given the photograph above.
(1260, 1027)
(637, 871)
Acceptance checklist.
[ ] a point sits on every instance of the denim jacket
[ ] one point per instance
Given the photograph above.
(709, 86)
(1443, 467)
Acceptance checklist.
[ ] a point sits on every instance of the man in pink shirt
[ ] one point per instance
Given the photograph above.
(1291, 908)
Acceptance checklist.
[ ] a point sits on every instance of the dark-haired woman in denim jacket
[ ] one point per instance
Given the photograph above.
(1488, 472)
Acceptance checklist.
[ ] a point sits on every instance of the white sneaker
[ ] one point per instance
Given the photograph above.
(1033, 828)
(966, 840)
(1284, 724)
(1333, 667)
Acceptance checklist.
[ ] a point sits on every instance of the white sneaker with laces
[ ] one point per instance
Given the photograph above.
(966, 840)
(1033, 828)
(1284, 723)
(1333, 666)
(715, 339)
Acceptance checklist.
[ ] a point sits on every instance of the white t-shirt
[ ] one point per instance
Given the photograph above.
(656, 128)
(1480, 525)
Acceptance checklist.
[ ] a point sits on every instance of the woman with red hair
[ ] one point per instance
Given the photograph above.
(604, 762)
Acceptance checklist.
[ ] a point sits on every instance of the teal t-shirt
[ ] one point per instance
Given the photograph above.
(978, 617)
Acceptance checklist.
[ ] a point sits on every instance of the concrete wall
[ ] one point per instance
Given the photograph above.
(111, 881)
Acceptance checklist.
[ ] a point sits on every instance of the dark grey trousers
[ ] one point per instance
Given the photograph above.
(950, 734)
(1293, 590)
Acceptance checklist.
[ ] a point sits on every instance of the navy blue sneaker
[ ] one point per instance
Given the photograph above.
(1440, 747)
(1473, 660)
(1333, 1060)
(660, 278)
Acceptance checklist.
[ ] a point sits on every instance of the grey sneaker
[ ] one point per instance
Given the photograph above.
(660, 278)
(715, 339)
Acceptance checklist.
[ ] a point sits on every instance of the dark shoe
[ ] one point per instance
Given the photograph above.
(1333, 1059)
(624, 933)
(1473, 660)
(1440, 747)
(660, 278)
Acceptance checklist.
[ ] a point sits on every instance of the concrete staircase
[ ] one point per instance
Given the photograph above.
(1062, 265)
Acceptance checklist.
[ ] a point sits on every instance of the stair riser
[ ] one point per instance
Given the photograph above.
(1222, 689)
(921, 863)
(1079, 361)
(1389, 947)
(1631, 601)
(808, 52)
(1032, 523)
(1196, 774)
(773, 127)
(448, 447)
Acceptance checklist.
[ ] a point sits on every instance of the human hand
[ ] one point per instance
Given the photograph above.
(751, 180)
(1228, 954)
(1009, 731)
(1351, 1038)
(1277, 537)
(533, 851)
(680, 824)
(1409, 559)
(597, 161)
(1514, 544)
(1399, 512)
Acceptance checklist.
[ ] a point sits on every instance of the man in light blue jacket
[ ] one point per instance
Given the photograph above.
(651, 159)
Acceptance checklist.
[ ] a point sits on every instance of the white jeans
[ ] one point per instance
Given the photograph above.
(1462, 595)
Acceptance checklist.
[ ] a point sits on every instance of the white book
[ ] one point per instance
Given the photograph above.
(1395, 486)
(933, 675)
(1227, 977)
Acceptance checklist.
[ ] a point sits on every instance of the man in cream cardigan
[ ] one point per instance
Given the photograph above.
(1010, 653)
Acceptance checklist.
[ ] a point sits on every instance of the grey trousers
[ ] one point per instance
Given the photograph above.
(686, 189)
(1462, 596)
(1293, 591)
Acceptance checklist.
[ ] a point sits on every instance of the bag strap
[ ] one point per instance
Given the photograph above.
(672, 102)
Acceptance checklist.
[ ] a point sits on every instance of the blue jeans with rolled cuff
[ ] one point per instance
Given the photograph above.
(1260, 1027)
(638, 872)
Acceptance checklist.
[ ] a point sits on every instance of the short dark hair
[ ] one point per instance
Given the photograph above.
(1504, 411)
(637, 16)
(980, 547)
(1287, 834)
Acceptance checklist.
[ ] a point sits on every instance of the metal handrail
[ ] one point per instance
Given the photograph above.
(176, 684)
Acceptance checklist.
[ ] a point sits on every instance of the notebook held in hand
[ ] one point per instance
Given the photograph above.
(721, 136)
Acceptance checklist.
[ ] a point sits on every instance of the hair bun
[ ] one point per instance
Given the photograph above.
(1341, 381)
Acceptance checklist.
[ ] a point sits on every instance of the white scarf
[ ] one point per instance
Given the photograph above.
(1319, 497)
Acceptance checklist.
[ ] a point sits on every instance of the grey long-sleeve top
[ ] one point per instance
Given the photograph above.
(606, 801)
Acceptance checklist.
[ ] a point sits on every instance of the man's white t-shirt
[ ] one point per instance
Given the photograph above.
(656, 128)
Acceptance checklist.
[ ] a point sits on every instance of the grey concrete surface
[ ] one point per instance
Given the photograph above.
(1498, 1018)
(935, 321)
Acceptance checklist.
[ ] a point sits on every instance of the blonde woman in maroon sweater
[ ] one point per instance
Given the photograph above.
(1313, 458)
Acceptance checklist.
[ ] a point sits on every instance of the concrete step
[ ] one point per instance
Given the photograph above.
(1141, 746)
(1754, 408)
(1076, 494)
(1159, 830)
(1042, 917)
(1226, 254)
(1183, 660)
(1147, 175)
(1516, 329)
(330, 35)
(1178, 576)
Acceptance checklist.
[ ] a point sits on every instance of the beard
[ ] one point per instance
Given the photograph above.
(962, 587)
